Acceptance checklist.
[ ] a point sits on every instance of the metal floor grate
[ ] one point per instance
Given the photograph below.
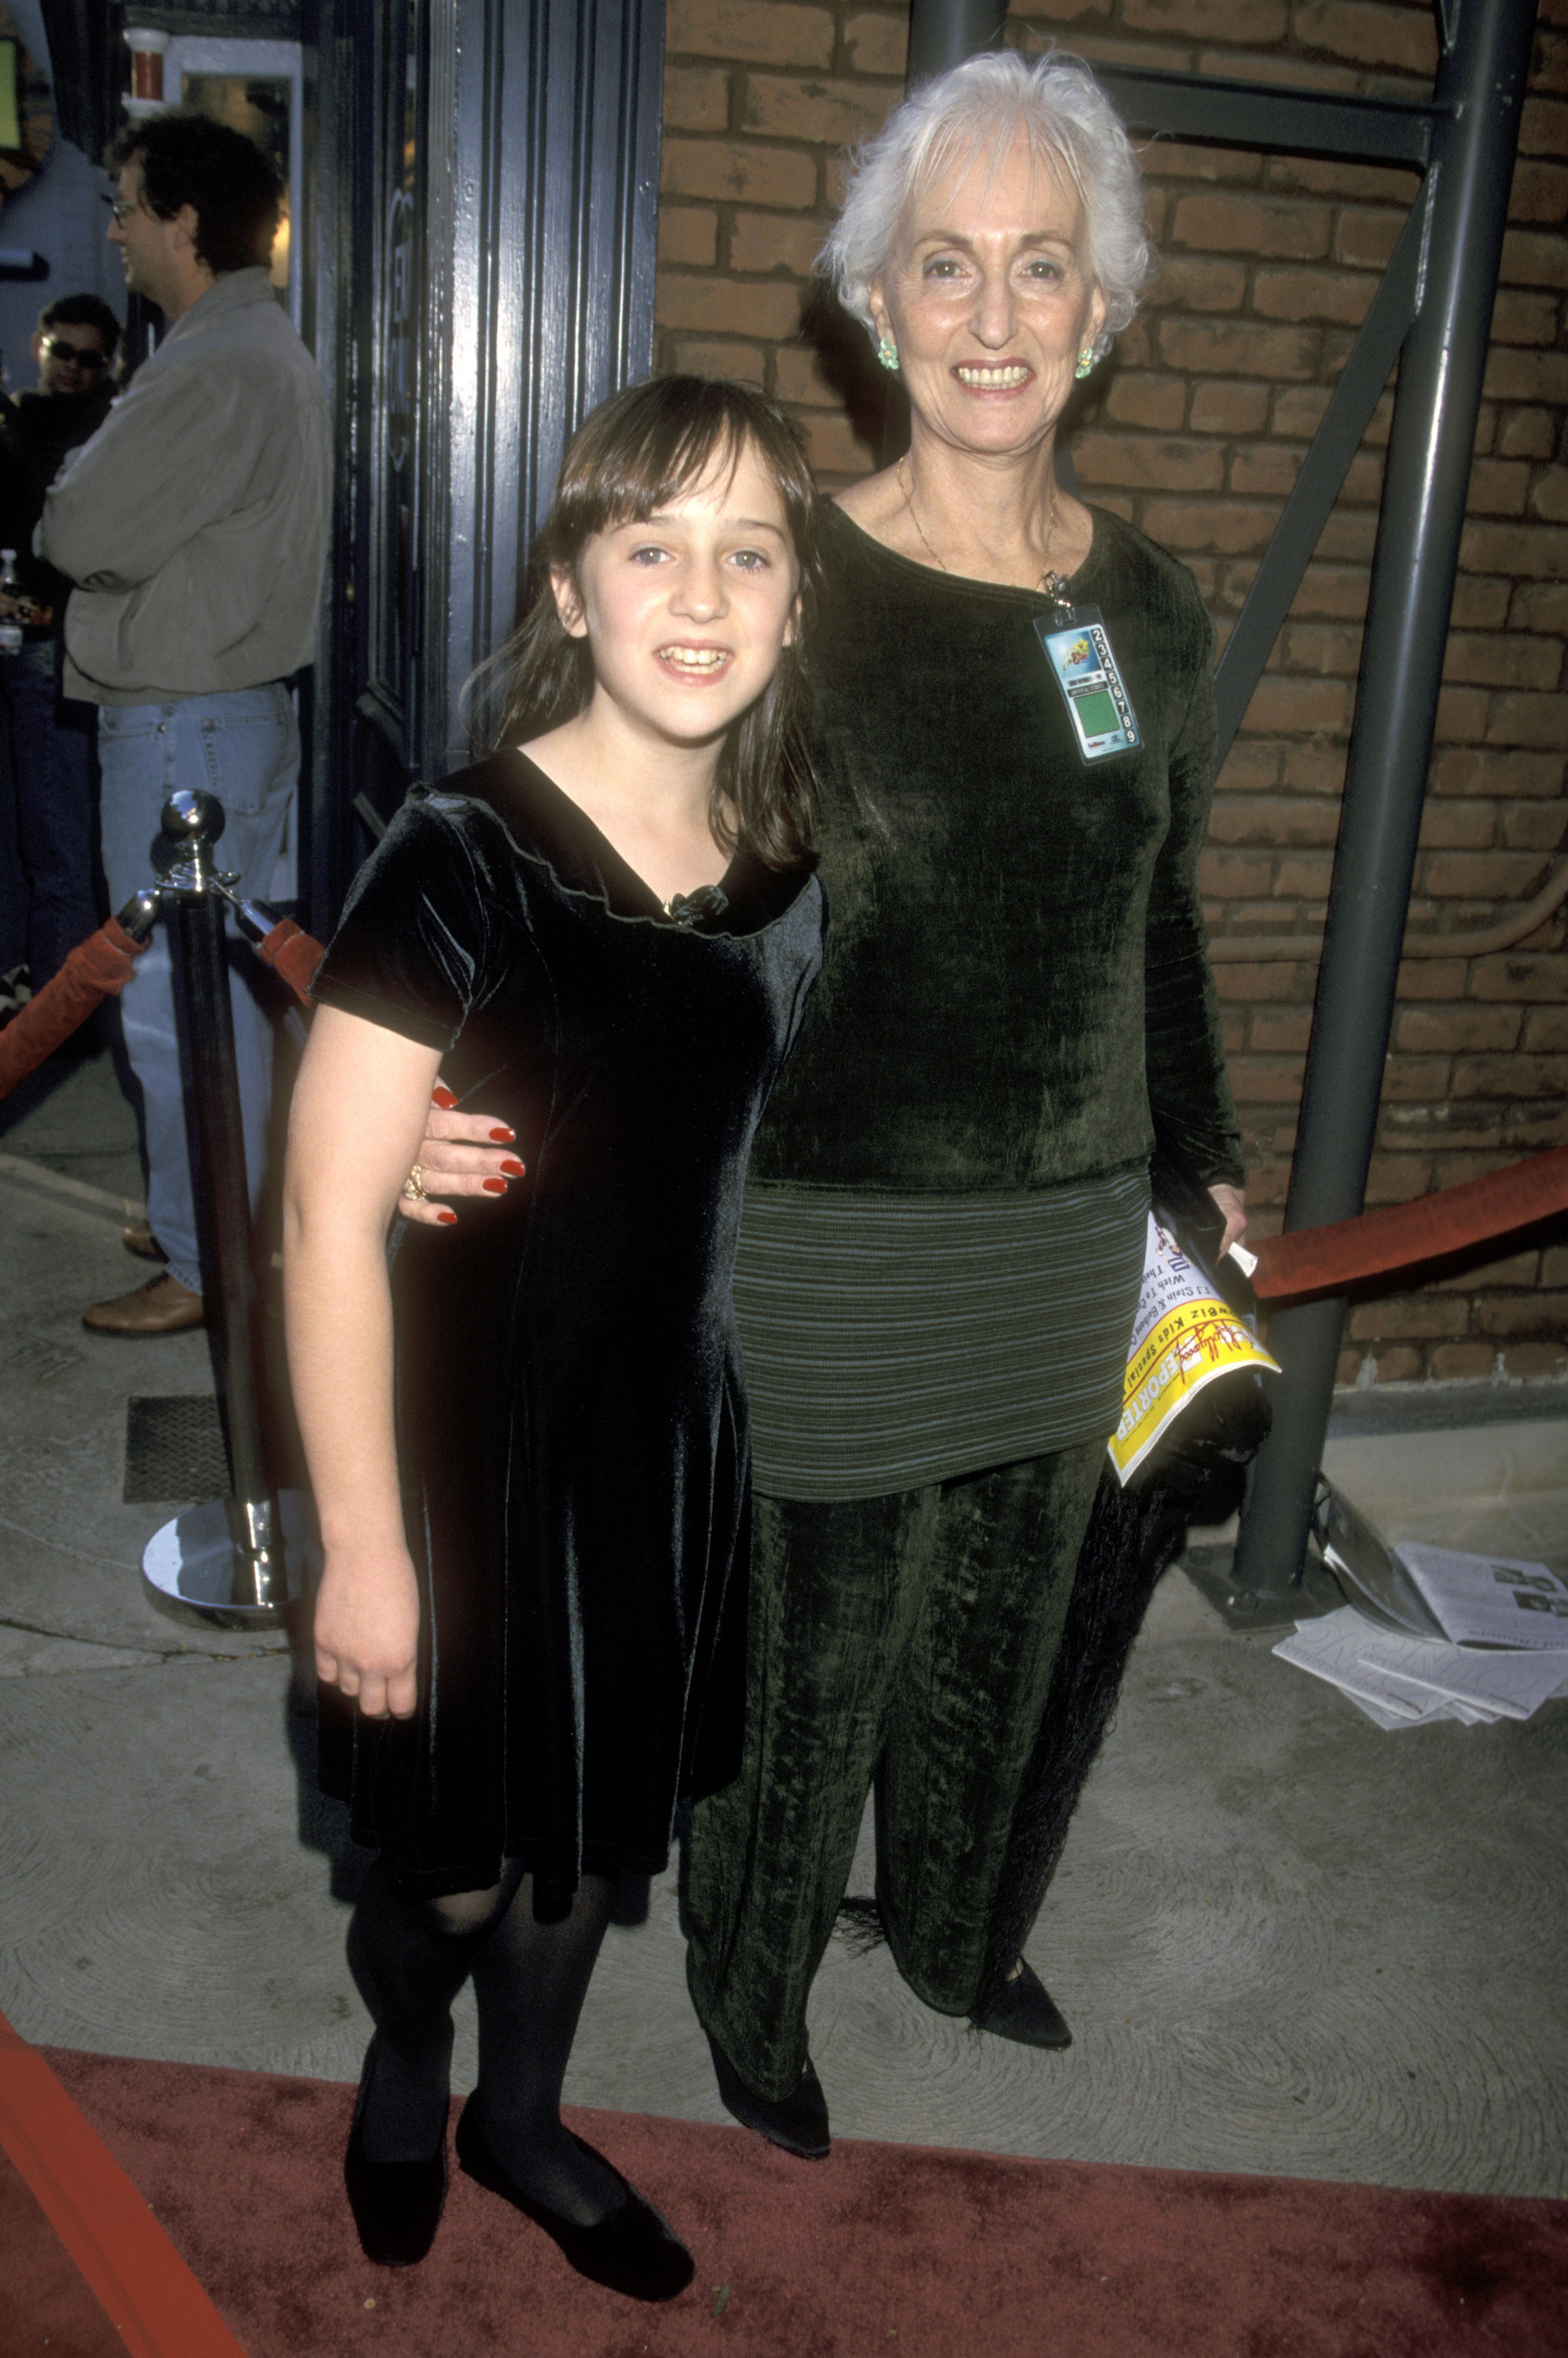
(174, 1449)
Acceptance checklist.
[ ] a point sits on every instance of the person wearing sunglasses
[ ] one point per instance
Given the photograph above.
(48, 887)
(75, 345)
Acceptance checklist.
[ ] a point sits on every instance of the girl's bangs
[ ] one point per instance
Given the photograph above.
(652, 444)
(630, 473)
(667, 465)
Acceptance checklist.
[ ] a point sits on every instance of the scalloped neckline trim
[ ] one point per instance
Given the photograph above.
(605, 865)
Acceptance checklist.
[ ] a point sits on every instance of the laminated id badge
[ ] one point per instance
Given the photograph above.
(1078, 650)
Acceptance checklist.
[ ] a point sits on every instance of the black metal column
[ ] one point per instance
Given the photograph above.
(943, 33)
(1482, 78)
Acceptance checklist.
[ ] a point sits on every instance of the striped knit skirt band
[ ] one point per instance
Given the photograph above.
(894, 1341)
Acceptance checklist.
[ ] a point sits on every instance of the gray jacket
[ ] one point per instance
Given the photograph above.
(195, 520)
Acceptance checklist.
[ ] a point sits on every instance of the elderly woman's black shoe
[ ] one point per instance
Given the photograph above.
(797, 2122)
(633, 2251)
(396, 2205)
(1025, 2012)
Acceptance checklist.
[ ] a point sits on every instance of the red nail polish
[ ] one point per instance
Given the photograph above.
(501, 1135)
(512, 1168)
(448, 1219)
(495, 1186)
(443, 1097)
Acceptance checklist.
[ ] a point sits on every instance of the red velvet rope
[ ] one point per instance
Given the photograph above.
(293, 954)
(1308, 1260)
(102, 964)
(1399, 1235)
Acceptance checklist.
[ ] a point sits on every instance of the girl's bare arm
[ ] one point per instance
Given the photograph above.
(354, 1129)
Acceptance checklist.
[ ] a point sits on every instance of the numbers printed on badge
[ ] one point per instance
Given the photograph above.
(1084, 667)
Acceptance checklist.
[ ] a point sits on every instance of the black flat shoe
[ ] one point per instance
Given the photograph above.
(633, 2251)
(396, 2205)
(1027, 2013)
(799, 2124)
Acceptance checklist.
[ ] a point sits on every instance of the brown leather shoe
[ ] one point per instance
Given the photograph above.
(138, 1238)
(162, 1307)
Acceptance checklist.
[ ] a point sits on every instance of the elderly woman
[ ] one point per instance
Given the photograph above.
(945, 1227)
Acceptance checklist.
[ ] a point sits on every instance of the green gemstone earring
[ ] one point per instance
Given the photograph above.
(1086, 362)
(887, 353)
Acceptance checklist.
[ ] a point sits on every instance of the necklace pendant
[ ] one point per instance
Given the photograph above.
(1055, 587)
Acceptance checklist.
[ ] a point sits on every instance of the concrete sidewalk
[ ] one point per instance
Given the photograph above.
(1286, 1941)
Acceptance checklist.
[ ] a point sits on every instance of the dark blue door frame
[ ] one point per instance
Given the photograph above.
(485, 178)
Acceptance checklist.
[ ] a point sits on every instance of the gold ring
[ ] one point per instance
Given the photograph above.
(414, 1185)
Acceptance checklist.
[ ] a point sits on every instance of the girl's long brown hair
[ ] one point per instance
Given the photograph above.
(639, 451)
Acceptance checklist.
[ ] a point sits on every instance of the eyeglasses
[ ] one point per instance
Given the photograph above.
(124, 207)
(84, 356)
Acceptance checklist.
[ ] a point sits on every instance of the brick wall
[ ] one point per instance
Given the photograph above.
(1196, 432)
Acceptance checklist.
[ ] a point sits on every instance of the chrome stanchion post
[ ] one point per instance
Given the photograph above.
(222, 1564)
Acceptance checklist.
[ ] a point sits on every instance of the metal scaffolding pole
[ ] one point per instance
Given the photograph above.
(1481, 90)
(943, 33)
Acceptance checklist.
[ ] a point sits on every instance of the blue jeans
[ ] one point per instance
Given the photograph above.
(46, 766)
(244, 748)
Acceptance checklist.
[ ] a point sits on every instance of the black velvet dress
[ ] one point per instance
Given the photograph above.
(571, 1422)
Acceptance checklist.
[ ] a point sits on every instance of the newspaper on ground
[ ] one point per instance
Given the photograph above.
(1368, 1569)
(1433, 1592)
(1430, 1632)
(1182, 1338)
(1490, 1600)
(1401, 1681)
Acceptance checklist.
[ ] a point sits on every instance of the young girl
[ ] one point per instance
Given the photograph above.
(528, 1447)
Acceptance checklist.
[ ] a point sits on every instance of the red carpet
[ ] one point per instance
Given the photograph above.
(52, 2309)
(900, 2250)
(85, 2258)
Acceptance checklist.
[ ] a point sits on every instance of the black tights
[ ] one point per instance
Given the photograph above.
(530, 1980)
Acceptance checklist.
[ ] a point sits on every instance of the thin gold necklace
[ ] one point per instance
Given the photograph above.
(1051, 583)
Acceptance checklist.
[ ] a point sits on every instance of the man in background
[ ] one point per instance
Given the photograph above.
(194, 525)
(49, 851)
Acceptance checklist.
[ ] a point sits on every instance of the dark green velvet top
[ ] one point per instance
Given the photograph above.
(1015, 976)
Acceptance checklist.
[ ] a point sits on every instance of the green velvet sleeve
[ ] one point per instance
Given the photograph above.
(1189, 1093)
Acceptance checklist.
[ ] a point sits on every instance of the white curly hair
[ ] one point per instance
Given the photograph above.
(977, 109)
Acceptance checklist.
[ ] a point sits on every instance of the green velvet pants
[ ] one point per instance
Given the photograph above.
(905, 1641)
